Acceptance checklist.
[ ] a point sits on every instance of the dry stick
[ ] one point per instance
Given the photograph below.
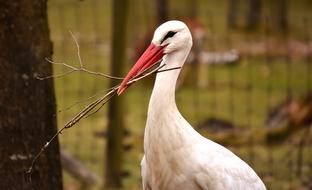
(81, 65)
(69, 124)
(142, 75)
(164, 70)
(79, 102)
(85, 100)
(100, 106)
(54, 76)
(87, 109)
(78, 48)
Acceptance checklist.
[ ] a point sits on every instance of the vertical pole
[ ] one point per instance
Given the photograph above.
(162, 11)
(232, 14)
(114, 148)
(253, 14)
(249, 108)
(268, 61)
(212, 74)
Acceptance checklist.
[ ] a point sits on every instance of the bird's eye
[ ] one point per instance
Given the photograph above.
(168, 35)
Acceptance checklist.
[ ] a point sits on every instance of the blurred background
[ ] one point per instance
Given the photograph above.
(247, 83)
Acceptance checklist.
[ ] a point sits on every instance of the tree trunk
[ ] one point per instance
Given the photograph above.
(253, 15)
(27, 105)
(281, 17)
(192, 9)
(162, 11)
(114, 149)
(232, 14)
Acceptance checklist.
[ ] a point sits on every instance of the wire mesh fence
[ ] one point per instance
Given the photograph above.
(245, 90)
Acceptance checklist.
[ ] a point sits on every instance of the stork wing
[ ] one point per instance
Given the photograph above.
(223, 170)
(144, 174)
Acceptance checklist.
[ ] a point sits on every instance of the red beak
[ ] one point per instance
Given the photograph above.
(151, 56)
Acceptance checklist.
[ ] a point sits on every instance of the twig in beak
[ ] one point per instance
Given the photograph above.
(71, 123)
(110, 97)
(170, 69)
(87, 99)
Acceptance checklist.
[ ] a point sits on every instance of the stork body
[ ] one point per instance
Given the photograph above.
(177, 156)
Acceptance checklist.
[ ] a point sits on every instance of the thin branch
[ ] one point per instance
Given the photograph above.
(150, 68)
(69, 124)
(54, 76)
(78, 102)
(85, 100)
(78, 48)
(61, 63)
(170, 69)
(110, 97)
(87, 109)
(100, 74)
(141, 76)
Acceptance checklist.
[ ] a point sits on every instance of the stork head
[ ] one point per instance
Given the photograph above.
(172, 35)
(169, 37)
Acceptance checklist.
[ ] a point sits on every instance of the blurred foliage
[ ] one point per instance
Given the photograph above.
(242, 93)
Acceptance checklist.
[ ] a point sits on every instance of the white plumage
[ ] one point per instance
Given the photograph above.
(176, 156)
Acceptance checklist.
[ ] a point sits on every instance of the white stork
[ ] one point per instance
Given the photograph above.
(176, 156)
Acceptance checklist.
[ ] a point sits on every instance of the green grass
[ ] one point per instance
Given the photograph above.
(225, 97)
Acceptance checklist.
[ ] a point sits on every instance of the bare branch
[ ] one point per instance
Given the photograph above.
(141, 76)
(82, 101)
(100, 74)
(78, 49)
(61, 63)
(170, 69)
(110, 97)
(86, 99)
(54, 76)
(69, 124)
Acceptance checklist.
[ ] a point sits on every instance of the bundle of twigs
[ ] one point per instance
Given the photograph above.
(96, 105)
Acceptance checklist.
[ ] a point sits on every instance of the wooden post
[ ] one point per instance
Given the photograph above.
(232, 14)
(162, 11)
(253, 16)
(114, 149)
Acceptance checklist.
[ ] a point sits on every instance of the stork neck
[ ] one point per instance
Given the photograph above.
(165, 83)
(164, 121)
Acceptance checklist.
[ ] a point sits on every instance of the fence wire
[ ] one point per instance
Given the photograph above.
(244, 95)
